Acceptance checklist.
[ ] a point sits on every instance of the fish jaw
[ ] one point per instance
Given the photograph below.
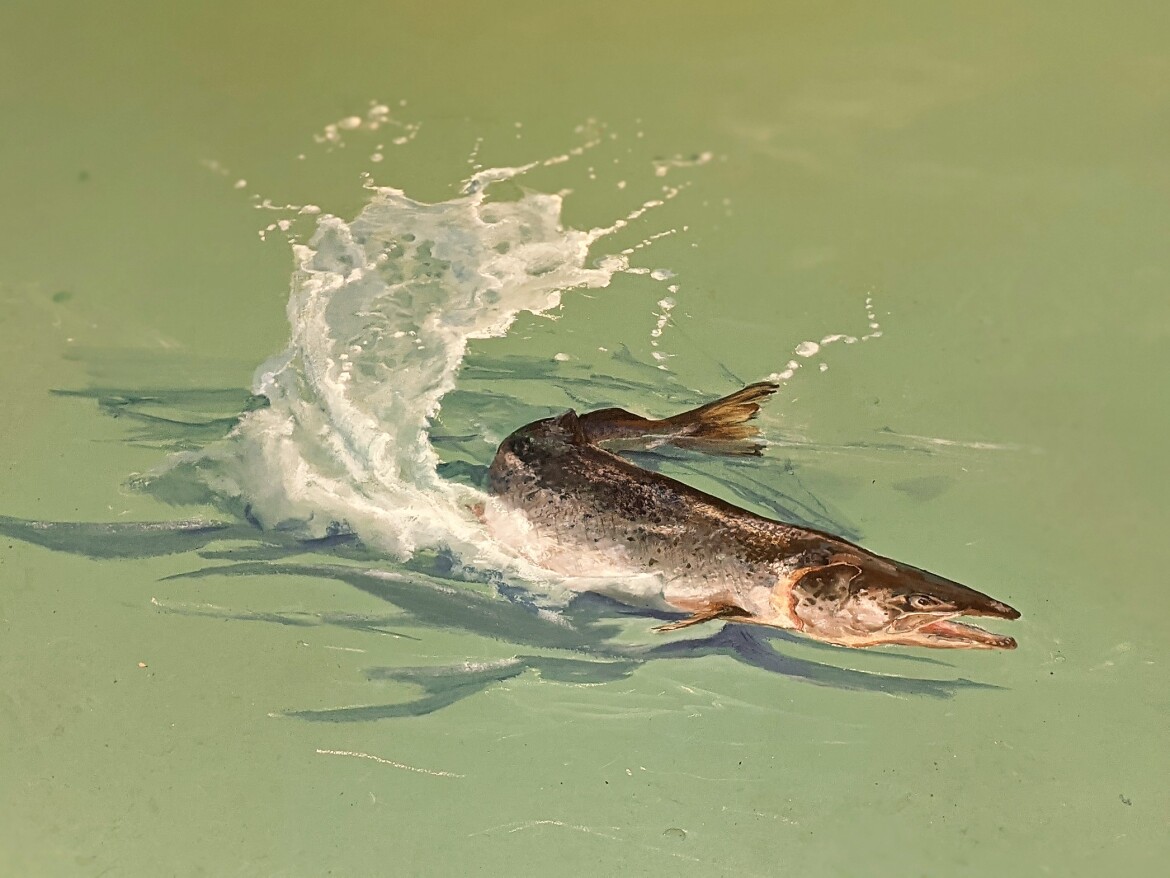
(947, 631)
(951, 634)
(940, 633)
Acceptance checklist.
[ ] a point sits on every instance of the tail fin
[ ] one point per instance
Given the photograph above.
(719, 427)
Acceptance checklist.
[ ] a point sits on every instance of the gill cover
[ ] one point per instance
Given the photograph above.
(819, 596)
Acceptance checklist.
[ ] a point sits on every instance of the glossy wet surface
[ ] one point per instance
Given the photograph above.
(209, 697)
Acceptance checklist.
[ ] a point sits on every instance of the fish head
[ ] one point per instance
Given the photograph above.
(875, 602)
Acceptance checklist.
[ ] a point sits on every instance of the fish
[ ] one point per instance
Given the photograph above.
(649, 540)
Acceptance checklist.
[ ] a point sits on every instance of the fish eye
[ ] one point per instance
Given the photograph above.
(923, 602)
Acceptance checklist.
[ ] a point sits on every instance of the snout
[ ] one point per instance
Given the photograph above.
(995, 609)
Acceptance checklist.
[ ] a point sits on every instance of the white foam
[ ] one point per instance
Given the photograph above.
(381, 310)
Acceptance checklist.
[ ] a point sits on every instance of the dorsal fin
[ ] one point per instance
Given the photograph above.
(568, 424)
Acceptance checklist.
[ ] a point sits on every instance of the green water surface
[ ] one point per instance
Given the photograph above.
(996, 176)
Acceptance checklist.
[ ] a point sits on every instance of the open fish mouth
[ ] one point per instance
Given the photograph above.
(945, 631)
(960, 635)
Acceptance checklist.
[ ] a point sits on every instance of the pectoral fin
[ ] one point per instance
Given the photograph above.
(707, 614)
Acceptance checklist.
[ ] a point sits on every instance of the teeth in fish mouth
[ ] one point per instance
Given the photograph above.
(951, 630)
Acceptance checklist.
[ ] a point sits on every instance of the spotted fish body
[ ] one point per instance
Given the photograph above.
(598, 512)
(654, 541)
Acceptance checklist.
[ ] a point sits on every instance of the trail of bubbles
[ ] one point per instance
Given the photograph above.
(807, 349)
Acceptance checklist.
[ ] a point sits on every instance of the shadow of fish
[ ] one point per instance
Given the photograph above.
(423, 591)
(424, 599)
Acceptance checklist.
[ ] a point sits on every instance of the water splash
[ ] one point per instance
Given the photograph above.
(381, 311)
(376, 117)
